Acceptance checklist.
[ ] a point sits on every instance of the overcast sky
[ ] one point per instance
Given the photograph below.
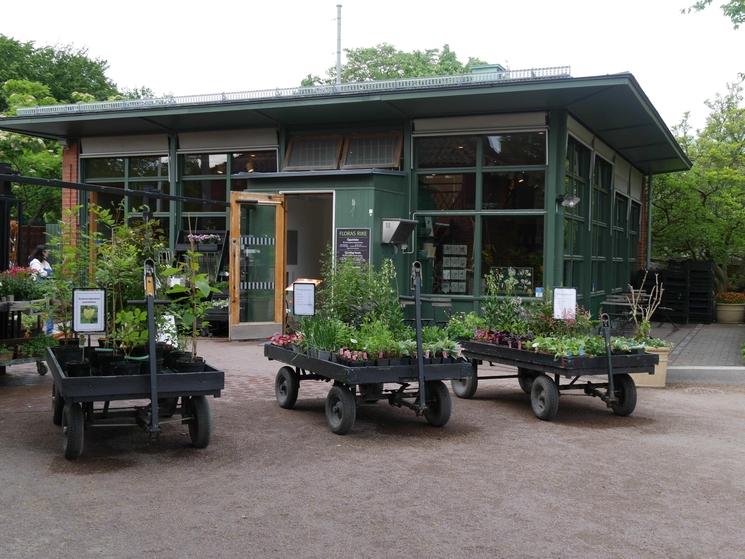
(187, 47)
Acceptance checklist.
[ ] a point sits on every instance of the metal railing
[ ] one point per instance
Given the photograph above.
(485, 78)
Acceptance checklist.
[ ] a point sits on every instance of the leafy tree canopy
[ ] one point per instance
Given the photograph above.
(733, 9)
(64, 70)
(386, 62)
(700, 214)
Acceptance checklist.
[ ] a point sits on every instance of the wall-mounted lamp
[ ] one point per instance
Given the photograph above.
(567, 201)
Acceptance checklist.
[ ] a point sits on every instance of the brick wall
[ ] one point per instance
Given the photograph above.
(70, 174)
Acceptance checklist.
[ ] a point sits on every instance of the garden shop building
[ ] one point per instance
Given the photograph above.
(535, 171)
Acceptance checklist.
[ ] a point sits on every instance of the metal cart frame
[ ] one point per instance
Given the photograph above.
(534, 372)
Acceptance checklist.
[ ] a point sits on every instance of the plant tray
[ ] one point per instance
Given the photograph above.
(368, 374)
(567, 366)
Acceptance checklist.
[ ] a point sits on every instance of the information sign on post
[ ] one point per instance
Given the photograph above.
(88, 310)
(565, 303)
(303, 299)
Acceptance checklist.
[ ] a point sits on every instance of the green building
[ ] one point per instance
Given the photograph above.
(532, 170)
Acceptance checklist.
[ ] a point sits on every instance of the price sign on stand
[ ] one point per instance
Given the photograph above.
(565, 303)
(303, 299)
(88, 310)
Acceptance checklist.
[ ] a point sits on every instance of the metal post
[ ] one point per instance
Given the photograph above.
(605, 321)
(149, 277)
(416, 274)
(338, 44)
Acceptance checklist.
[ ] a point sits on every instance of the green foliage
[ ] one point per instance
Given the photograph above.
(733, 9)
(375, 337)
(386, 62)
(131, 330)
(700, 214)
(503, 313)
(462, 326)
(354, 292)
(325, 334)
(64, 70)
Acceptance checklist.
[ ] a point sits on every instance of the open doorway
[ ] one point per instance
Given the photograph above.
(309, 233)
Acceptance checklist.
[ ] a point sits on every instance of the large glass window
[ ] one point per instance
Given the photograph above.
(158, 206)
(372, 151)
(205, 164)
(254, 162)
(206, 190)
(441, 191)
(446, 251)
(516, 190)
(148, 167)
(514, 243)
(313, 152)
(445, 152)
(519, 148)
(108, 167)
(576, 184)
(600, 214)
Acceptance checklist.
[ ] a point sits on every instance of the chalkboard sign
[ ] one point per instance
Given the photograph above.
(353, 242)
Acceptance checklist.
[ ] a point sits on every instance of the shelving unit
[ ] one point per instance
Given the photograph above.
(689, 291)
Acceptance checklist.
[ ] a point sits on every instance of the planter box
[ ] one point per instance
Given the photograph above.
(730, 313)
(659, 378)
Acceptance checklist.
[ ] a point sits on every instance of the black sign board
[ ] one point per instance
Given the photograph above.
(353, 242)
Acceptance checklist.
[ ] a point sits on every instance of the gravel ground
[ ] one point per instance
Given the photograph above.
(668, 481)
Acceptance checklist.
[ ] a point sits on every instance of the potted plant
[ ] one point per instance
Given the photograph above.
(662, 349)
(730, 307)
(130, 332)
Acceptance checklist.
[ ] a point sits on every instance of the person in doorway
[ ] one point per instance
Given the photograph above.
(38, 262)
(42, 270)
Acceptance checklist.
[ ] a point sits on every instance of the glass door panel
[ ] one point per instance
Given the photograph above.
(257, 263)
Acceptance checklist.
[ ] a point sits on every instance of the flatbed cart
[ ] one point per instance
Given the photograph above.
(353, 385)
(535, 372)
(73, 398)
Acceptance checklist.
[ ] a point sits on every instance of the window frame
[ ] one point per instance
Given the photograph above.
(339, 138)
(397, 151)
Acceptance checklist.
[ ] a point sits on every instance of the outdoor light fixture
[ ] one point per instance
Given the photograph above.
(567, 201)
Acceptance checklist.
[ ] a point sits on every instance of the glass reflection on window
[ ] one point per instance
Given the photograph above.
(445, 246)
(440, 191)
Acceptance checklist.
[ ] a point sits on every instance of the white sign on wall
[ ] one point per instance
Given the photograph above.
(303, 299)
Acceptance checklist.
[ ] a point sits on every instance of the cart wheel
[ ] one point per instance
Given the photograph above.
(58, 406)
(544, 398)
(439, 404)
(625, 393)
(286, 387)
(200, 424)
(41, 368)
(465, 387)
(526, 377)
(73, 428)
(341, 409)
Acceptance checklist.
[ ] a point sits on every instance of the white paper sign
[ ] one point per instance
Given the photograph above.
(303, 299)
(565, 303)
(88, 310)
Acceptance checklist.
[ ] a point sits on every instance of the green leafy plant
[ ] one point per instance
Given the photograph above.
(503, 313)
(462, 326)
(131, 330)
(324, 334)
(378, 339)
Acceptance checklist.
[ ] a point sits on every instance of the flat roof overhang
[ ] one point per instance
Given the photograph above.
(614, 107)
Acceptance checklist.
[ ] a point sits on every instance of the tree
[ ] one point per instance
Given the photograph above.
(385, 62)
(734, 10)
(700, 214)
(63, 69)
(31, 156)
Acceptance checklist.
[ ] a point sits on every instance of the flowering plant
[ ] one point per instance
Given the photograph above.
(730, 297)
(206, 238)
(20, 282)
(283, 340)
